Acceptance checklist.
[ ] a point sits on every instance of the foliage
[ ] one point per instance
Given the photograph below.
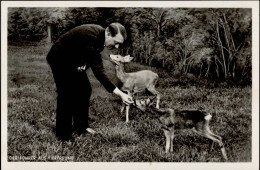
(209, 43)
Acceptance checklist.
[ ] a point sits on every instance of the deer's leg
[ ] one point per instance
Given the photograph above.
(123, 107)
(156, 93)
(214, 135)
(168, 140)
(219, 141)
(212, 146)
(208, 134)
(171, 141)
(127, 109)
(220, 145)
(157, 100)
(127, 113)
(207, 130)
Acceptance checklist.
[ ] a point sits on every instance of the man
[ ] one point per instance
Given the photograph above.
(80, 48)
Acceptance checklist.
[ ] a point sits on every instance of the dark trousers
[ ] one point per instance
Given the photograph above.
(73, 97)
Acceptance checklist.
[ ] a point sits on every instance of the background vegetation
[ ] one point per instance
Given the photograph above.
(202, 56)
(207, 43)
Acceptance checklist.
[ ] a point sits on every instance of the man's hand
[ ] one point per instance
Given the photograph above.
(125, 98)
(82, 68)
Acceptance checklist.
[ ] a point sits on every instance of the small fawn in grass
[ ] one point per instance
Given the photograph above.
(172, 120)
(135, 82)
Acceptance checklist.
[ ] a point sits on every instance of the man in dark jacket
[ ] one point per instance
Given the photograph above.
(73, 52)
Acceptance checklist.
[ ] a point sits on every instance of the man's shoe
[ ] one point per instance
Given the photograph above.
(91, 131)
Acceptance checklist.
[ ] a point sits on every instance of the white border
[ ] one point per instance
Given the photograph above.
(254, 165)
(192, 4)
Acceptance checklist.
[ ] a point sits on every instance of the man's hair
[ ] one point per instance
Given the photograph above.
(115, 27)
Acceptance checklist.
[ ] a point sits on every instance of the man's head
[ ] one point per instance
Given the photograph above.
(115, 35)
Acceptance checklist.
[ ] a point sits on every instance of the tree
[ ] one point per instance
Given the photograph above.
(229, 41)
(214, 43)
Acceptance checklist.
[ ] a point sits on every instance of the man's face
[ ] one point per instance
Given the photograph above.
(113, 42)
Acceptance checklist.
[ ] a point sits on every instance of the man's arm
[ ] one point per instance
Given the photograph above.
(98, 70)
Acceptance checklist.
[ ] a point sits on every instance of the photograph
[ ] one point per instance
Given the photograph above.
(130, 84)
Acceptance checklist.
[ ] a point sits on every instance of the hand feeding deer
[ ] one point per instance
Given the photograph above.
(136, 81)
(171, 119)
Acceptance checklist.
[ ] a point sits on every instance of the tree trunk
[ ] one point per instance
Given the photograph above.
(49, 30)
(158, 30)
(222, 50)
(207, 72)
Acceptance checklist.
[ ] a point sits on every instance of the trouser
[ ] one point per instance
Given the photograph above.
(73, 97)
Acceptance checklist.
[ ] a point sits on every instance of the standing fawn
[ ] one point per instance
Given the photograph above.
(136, 81)
(171, 119)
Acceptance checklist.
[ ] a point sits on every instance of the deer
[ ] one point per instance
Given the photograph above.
(134, 82)
(171, 120)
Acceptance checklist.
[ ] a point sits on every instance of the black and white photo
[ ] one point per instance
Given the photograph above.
(130, 84)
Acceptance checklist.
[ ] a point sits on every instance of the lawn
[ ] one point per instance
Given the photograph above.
(31, 118)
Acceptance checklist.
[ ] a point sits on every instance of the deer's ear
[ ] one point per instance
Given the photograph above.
(127, 59)
(151, 100)
(148, 101)
(131, 58)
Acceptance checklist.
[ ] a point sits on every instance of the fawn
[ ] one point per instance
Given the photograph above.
(171, 119)
(136, 81)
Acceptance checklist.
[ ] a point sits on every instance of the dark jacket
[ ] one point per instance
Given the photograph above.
(81, 46)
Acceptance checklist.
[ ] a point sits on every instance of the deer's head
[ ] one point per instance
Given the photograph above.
(143, 104)
(117, 59)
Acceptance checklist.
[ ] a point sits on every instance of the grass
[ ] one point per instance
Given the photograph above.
(31, 118)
